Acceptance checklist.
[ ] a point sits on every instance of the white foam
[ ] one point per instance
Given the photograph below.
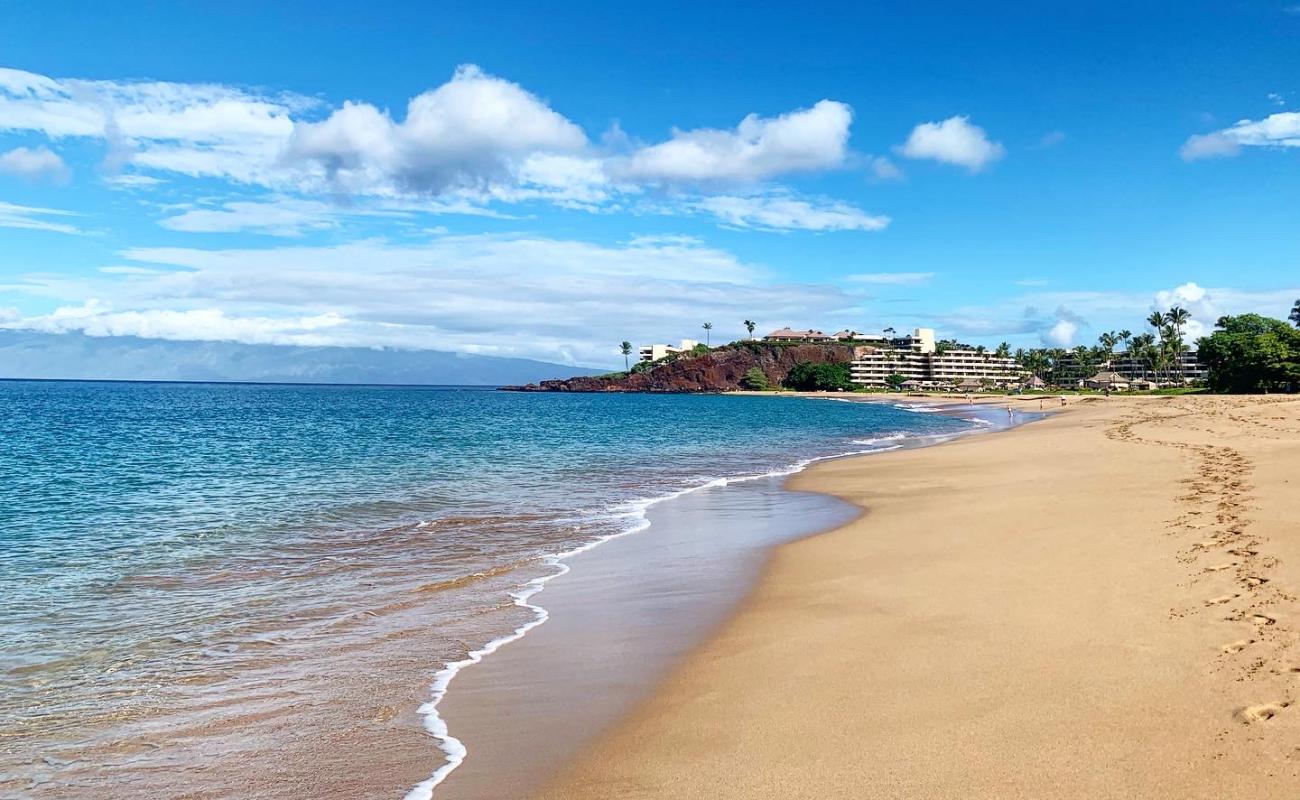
(919, 409)
(635, 511)
(889, 437)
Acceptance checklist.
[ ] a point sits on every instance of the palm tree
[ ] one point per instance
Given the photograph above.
(1140, 351)
(1177, 317)
(888, 332)
(708, 326)
(1157, 321)
(626, 349)
(750, 326)
(1295, 314)
(1004, 350)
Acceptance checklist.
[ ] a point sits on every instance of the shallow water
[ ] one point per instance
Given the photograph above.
(189, 574)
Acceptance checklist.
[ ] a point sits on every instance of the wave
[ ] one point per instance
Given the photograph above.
(635, 512)
(918, 408)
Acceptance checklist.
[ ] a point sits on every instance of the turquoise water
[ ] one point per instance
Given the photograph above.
(160, 536)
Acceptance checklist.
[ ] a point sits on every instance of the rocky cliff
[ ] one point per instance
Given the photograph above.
(719, 370)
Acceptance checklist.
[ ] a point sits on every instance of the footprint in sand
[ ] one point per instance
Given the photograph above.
(1254, 580)
(1264, 711)
(1220, 567)
(1262, 619)
(1227, 598)
(1237, 646)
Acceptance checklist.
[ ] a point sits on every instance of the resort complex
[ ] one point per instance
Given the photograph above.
(919, 361)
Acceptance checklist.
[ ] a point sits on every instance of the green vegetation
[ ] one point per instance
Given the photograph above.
(755, 380)
(895, 381)
(750, 325)
(1158, 354)
(1252, 353)
(708, 332)
(626, 349)
(823, 377)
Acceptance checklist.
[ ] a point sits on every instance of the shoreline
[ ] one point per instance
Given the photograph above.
(449, 736)
(950, 674)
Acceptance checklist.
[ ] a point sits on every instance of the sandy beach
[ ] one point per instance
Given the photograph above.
(1100, 604)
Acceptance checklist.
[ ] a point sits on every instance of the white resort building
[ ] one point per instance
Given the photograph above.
(924, 364)
(653, 352)
(917, 357)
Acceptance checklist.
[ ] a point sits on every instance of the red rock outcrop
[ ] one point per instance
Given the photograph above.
(719, 370)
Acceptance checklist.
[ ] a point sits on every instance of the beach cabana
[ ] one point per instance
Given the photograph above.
(912, 385)
(1035, 382)
(1142, 385)
(970, 385)
(1108, 380)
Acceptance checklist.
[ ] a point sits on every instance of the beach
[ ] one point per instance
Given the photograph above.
(1100, 604)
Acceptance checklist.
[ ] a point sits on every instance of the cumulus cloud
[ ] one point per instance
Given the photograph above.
(36, 219)
(475, 141)
(40, 163)
(493, 295)
(1280, 130)
(785, 213)
(1063, 333)
(466, 134)
(757, 149)
(892, 278)
(953, 141)
(194, 129)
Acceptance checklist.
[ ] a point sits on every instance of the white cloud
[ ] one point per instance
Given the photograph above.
(953, 141)
(194, 129)
(784, 213)
(1210, 145)
(493, 295)
(892, 278)
(1051, 139)
(1030, 282)
(462, 147)
(1062, 334)
(277, 216)
(36, 219)
(759, 148)
(203, 324)
(468, 133)
(1280, 130)
(34, 164)
(882, 169)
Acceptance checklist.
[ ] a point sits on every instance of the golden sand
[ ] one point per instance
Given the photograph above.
(1098, 605)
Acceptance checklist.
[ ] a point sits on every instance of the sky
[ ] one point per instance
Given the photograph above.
(548, 180)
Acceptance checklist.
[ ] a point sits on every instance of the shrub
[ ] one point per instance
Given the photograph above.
(822, 377)
(755, 380)
(1251, 353)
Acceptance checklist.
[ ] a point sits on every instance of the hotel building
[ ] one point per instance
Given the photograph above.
(653, 352)
(923, 364)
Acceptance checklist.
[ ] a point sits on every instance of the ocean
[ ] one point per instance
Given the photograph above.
(172, 556)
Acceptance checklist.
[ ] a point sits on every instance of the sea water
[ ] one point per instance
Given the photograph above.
(167, 550)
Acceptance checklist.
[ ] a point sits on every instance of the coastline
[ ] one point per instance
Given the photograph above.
(1018, 638)
(535, 736)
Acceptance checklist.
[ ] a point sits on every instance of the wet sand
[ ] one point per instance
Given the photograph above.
(625, 613)
(1099, 605)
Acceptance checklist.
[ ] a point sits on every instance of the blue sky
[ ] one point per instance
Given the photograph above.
(545, 182)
